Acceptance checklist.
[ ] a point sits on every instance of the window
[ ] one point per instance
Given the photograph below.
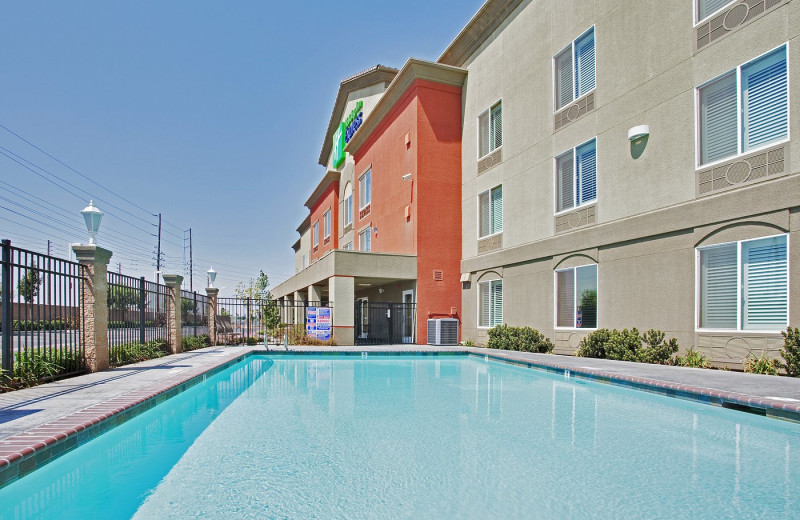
(365, 189)
(490, 130)
(348, 246)
(315, 234)
(491, 303)
(490, 212)
(365, 239)
(744, 285)
(705, 8)
(327, 223)
(348, 204)
(576, 297)
(574, 69)
(576, 176)
(745, 108)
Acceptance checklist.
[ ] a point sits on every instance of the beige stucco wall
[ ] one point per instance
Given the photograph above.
(646, 74)
(302, 255)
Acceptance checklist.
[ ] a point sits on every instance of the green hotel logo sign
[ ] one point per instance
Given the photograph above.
(345, 132)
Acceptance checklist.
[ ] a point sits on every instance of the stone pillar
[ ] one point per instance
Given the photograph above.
(95, 305)
(342, 295)
(173, 281)
(314, 294)
(212, 293)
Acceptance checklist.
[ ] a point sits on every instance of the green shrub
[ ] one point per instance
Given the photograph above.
(762, 365)
(693, 359)
(467, 343)
(594, 344)
(33, 366)
(189, 343)
(629, 345)
(524, 339)
(624, 345)
(657, 351)
(791, 351)
(135, 352)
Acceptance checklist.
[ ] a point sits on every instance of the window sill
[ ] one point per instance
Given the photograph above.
(482, 157)
(744, 155)
(575, 208)
(740, 332)
(574, 110)
(575, 329)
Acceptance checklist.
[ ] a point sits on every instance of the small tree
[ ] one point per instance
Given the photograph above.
(122, 298)
(791, 351)
(28, 286)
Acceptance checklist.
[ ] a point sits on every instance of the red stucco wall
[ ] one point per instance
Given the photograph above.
(421, 135)
(329, 200)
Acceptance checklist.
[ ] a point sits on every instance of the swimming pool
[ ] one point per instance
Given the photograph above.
(305, 436)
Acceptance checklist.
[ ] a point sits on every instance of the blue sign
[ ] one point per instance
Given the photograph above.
(318, 323)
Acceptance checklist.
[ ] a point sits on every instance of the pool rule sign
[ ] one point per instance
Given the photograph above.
(318, 323)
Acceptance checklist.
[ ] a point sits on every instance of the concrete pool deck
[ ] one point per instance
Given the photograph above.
(39, 423)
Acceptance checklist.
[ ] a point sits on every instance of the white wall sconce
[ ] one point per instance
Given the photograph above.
(637, 132)
(638, 136)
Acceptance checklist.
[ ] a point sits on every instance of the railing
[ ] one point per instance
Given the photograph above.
(137, 312)
(41, 315)
(241, 320)
(194, 314)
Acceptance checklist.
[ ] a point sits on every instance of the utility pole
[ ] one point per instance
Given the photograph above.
(191, 271)
(158, 249)
(119, 267)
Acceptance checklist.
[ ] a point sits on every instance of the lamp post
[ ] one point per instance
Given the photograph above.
(92, 216)
(212, 275)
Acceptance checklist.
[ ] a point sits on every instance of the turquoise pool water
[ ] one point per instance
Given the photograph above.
(419, 437)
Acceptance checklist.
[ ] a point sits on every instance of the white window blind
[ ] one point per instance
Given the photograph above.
(490, 295)
(719, 287)
(575, 73)
(718, 127)
(576, 176)
(490, 212)
(327, 223)
(565, 186)
(490, 130)
(586, 172)
(765, 100)
(761, 89)
(348, 204)
(765, 288)
(315, 233)
(565, 306)
(564, 83)
(743, 285)
(497, 303)
(708, 7)
(584, 64)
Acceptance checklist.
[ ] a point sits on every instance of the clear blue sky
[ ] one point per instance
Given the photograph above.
(212, 113)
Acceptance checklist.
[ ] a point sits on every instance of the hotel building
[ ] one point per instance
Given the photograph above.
(621, 164)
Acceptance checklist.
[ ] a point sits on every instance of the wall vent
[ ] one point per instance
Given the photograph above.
(574, 112)
(490, 161)
(730, 19)
(743, 170)
(438, 275)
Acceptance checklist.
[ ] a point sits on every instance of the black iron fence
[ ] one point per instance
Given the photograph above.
(385, 323)
(255, 321)
(40, 315)
(194, 314)
(137, 312)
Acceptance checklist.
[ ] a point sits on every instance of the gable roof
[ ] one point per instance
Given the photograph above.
(376, 74)
(478, 30)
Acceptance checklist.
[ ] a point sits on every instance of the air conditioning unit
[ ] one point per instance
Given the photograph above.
(443, 331)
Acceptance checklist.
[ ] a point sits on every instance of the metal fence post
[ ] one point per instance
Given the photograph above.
(8, 325)
(248, 317)
(142, 304)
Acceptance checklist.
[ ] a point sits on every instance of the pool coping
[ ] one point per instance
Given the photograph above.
(23, 452)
